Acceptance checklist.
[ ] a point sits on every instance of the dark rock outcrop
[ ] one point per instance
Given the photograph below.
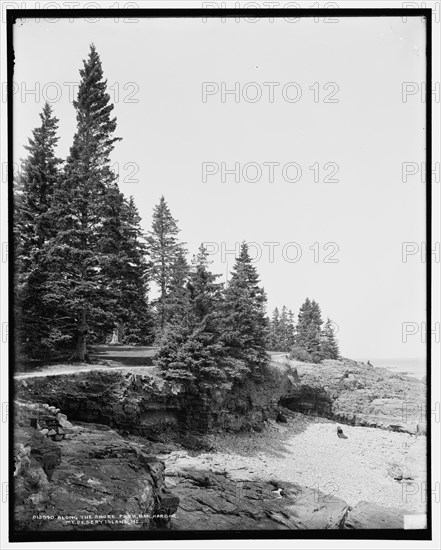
(141, 402)
(214, 501)
(94, 480)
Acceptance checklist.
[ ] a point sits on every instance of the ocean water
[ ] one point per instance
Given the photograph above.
(412, 367)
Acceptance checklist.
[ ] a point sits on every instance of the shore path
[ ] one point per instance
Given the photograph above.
(308, 452)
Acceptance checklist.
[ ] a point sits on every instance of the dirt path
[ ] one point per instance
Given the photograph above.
(132, 356)
(139, 358)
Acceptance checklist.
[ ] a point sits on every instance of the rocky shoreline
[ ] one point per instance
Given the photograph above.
(358, 394)
(117, 448)
(371, 465)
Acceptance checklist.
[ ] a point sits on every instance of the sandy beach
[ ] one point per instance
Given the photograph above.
(308, 452)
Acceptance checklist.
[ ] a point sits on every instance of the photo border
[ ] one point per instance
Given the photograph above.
(139, 535)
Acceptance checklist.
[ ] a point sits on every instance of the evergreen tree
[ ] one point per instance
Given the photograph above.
(205, 293)
(139, 319)
(175, 304)
(290, 331)
(79, 285)
(303, 321)
(245, 328)
(125, 268)
(166, 252)
(284, 337)
(33, 227)
(281, 330)
(274, 330)
(308, 330)
(329, 345)
(191, 349)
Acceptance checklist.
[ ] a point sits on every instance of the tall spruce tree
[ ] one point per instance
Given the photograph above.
(290, 331)
(205, 292)
(303, 321)
(33, 227)
(329, 346)
(139, 327)
(79, 286)
(281, 329)
(175, 304)
(308, 329)
(125, 267)
(245, 327)
(284, 337)
(274, 330)
(165, 251)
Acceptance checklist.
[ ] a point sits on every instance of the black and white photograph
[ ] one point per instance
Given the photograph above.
(221, 263)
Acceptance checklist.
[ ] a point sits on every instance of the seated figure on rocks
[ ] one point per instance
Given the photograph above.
(340, 433)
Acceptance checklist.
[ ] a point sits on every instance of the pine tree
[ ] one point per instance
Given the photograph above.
(79, 287)
(284, 330)
(281, 330)
(33, 227)
(245, 328)
(329, 345)
(191, 349)
(274, 330)
(126, 270)
(308, 330)
(205, 293)
(175, 304)
(302, 324)
(314, 332)
(139, 319)
(165, 252)
(290, 331)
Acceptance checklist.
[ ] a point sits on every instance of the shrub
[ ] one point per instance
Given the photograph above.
(316, 357)
(300, 354)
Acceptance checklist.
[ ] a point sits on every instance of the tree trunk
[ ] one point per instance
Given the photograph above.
(80, 353)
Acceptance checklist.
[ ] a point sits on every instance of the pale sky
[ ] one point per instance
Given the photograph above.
(168, 133)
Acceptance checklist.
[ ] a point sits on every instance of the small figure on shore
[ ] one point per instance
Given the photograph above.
(340, 433)
(369, 364)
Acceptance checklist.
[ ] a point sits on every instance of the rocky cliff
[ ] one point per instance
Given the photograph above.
(85, 472)
(140, 401)
(357, 394)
